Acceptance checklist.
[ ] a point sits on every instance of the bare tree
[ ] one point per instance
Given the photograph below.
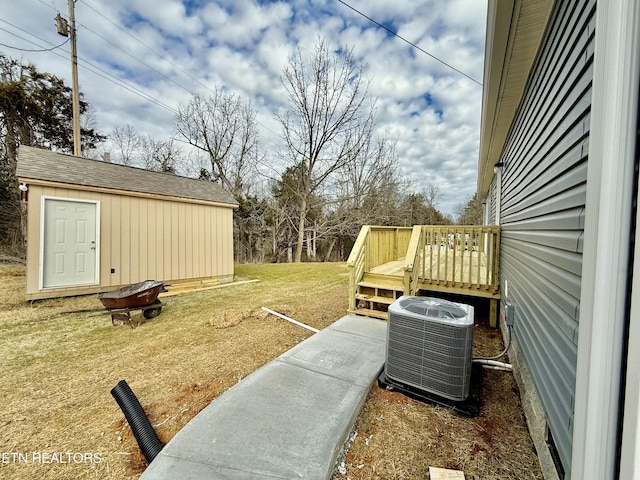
(224, 128)
(127, 142)
(431, 195)
(159, 155)
(367, 192)
(329, 122)
(369, 173)
(285, 210)
(130, 147)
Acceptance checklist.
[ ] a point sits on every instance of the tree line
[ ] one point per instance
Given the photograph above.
(306, 201)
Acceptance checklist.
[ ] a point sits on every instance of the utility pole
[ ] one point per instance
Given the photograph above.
(69, 30)
(77, 149)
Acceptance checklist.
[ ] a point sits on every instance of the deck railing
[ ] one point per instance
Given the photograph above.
(375, 246)
(453, 256)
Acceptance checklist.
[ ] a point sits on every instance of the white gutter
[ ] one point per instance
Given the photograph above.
(498, 173)
(606, 254)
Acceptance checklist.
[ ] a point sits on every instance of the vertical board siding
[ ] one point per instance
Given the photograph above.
(168, 239)
(181, 252)
(135, 240)
(201, 243)
(143, 238)
(174, 249)
(115, 240)
(152, 263)
(208, 252)
(123, 264)
(542, 211)
(33, 240)
(145, 242)
(158, 223)
(106, 214)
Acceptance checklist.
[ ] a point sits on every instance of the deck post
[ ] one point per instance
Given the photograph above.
(493, 313)
(352, 288)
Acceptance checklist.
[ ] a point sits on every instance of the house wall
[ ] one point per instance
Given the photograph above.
(542, 213)
(142, 238)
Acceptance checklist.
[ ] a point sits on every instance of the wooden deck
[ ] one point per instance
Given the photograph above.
(386, 263)
(471, 265)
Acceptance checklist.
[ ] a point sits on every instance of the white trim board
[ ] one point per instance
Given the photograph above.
(610, 184)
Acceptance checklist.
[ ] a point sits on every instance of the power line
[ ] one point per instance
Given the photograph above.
(28, 49)
(142, 62)
(121, 83)
(48, 6)
(127, 86)
(147, 46)
(160, 55)
(410, 43)
(117, 81)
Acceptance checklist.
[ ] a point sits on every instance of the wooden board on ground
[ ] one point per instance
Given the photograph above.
(200, 289)
(436, 473)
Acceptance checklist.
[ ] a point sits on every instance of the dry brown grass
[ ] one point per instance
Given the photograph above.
(58, 370)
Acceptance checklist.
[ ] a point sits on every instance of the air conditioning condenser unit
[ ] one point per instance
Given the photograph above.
(429, 346)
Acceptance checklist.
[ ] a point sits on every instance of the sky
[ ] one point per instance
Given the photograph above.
(139, 60)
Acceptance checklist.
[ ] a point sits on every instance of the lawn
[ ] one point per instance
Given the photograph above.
(59, 419)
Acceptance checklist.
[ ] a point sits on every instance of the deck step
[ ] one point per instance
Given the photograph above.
(380, 278)
(398, 287)
(370, 313)
(375, 298)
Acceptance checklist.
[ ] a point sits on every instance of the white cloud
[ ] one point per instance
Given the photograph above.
(432, 111)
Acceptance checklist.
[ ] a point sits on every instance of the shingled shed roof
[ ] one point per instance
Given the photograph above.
(38, 164)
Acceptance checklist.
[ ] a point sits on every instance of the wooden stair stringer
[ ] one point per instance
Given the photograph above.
(376, 292)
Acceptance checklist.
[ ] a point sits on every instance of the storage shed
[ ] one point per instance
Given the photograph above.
(94, 226)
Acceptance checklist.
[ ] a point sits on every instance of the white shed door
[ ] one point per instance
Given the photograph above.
(69, 243)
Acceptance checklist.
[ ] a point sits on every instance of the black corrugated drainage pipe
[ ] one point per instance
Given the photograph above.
(148, 441)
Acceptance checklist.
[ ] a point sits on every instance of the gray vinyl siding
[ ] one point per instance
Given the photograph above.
(542, 214)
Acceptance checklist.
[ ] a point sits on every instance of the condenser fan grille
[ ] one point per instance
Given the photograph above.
(428, 352)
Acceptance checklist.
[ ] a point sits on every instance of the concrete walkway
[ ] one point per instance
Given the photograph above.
(288, 419)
